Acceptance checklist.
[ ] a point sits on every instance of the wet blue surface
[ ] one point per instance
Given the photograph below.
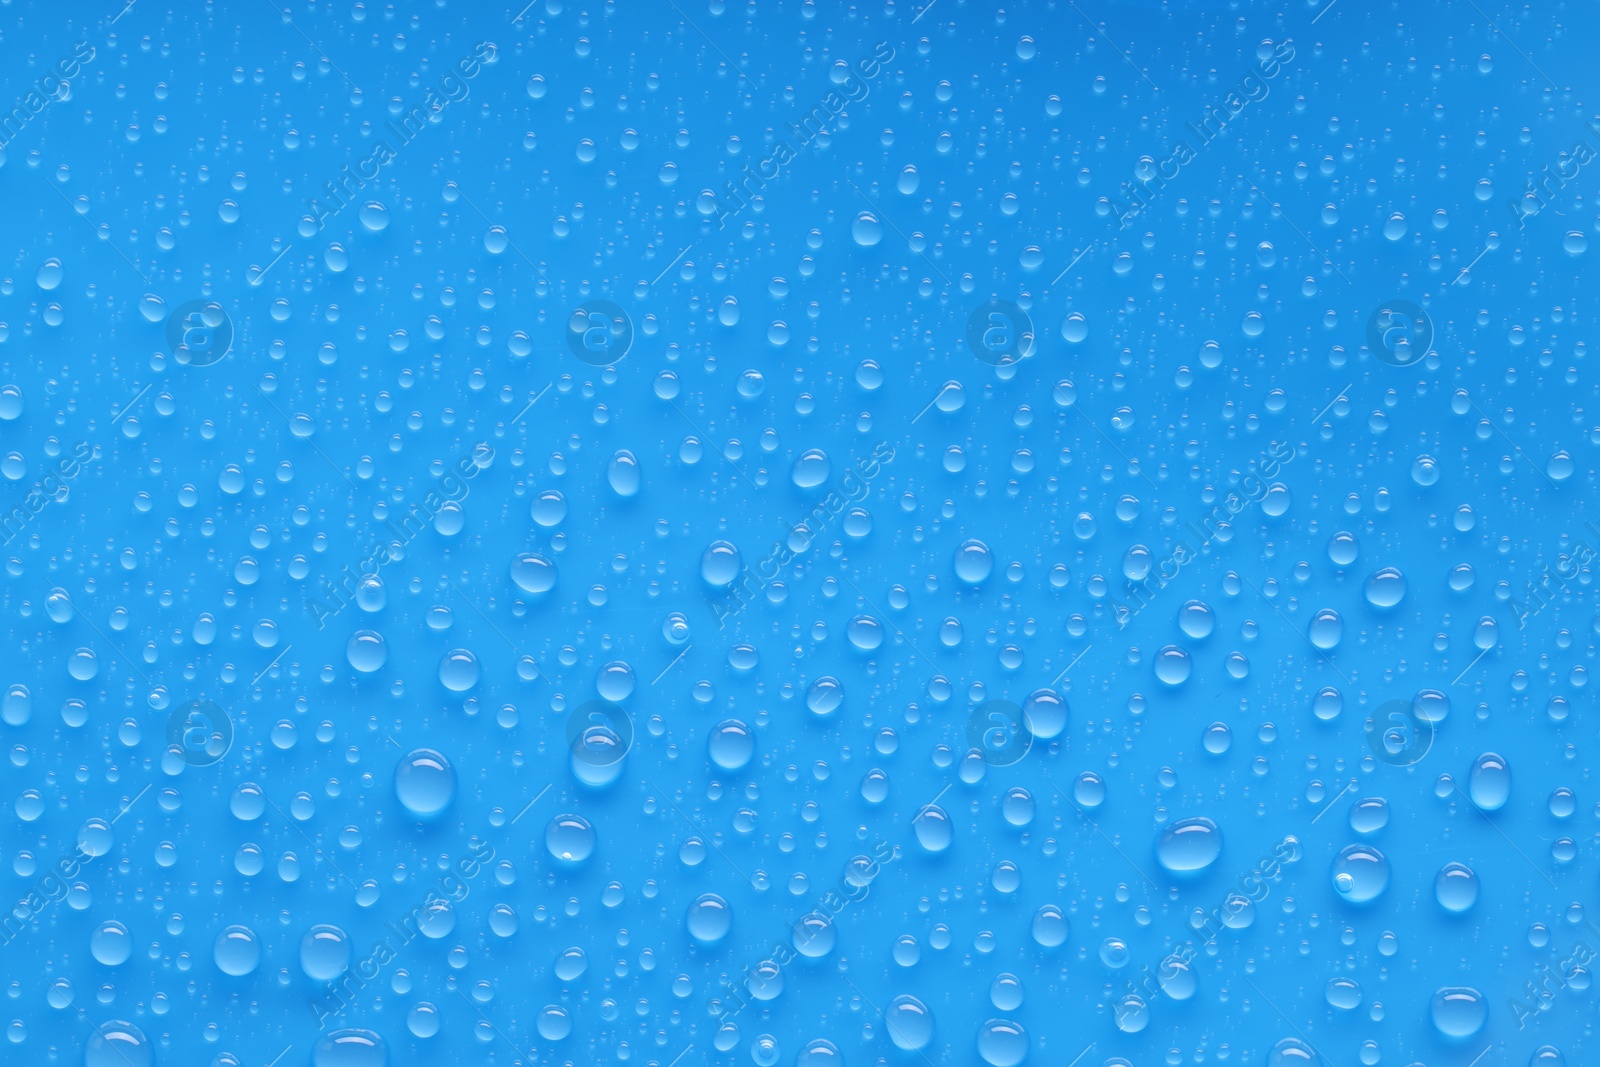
(794, 534)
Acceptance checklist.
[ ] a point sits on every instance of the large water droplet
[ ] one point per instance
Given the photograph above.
(1489, 781)
(425, 782)
(1189, 846)
(709, 918)
(1360, 873)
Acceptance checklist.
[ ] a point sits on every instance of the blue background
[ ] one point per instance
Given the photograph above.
(1170, 356)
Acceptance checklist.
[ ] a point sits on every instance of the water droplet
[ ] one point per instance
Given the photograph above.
(1456, 887)
(1002, 1043)
(1189, 846)
(350, 1048)
(237, 951)
(570, 838)
(425, 782)
(709, 918)
(1489, 781)
(1458, 1011)
(1360, 873)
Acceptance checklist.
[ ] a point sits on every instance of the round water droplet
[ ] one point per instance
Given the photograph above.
(324, 952)
(1456, 887)
(1172, 665)
(570, 838)
(732, 745)
(720, 564)
(1050, 926)
(1002, 1043)
(1489, 781)
(533, 573)
(1458, 1011)
(623, 474)
(709, 918)
(425, 782)
(111, 944)
(1343, 993)
(1189, 846)
(350, 1048)
(367, 651)
(811, 469)
(824, 696)
(1045, 713)
(910, 1023)
(1385, 587)
(1360, 873)
(458, 670)
(117, 1044)
(237, 951)
(866, 231)
(1326, 629)
(933, 828)
(974, 562)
